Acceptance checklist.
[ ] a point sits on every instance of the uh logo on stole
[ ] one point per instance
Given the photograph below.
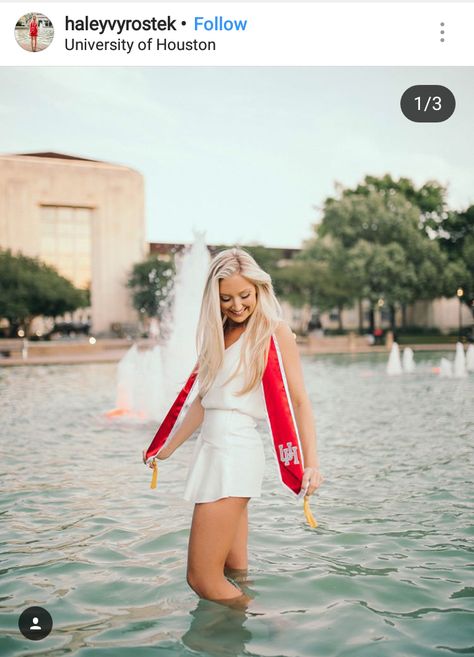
(288, 453)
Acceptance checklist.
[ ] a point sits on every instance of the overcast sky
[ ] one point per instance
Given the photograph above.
(243, 153)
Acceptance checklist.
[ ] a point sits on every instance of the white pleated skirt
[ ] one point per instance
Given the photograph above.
(228, 458)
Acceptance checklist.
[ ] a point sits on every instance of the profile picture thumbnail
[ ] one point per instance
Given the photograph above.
(34, 32)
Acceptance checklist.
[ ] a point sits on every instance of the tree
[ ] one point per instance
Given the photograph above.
(383, 250)
(331, 277)
(151, 282)
(430, 198)
(31, 288)
(456, 238)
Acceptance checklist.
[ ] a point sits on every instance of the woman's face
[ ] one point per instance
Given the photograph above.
(238, 297)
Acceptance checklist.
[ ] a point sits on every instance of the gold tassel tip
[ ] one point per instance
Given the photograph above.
(307, 511)
(154, 476)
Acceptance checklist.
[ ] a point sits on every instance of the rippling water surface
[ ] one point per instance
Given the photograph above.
(389, 570)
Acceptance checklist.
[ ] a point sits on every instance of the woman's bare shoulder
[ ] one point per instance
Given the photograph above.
(284, 332)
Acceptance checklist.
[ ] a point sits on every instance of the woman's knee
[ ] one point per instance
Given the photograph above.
(212, 534)
(211, 589)
(199, 582)
(198, 585)
(193, 581)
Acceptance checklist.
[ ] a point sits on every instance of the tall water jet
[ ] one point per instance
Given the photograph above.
(149, 380)
(470, 358)
(180, 355)
(460, 370)
(394, 365)
(408, 360)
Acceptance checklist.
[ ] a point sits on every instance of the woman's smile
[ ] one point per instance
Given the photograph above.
(233, 291)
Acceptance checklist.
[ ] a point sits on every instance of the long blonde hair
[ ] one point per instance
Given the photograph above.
(212, 321)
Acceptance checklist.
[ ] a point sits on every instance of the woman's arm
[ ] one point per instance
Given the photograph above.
(301, 404)
(192, 420)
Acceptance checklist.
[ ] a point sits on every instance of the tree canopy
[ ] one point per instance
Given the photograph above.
(30, 288)
(455, 234)
(151, 282)
(382, 241)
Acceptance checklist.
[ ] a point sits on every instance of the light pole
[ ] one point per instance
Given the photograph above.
(460, 293)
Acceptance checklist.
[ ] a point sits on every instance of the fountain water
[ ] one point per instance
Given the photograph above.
(460, 370)
(180, 355)
(470, 358)
(446, 368)
(394, 365)
(149, 380)
(408, 360)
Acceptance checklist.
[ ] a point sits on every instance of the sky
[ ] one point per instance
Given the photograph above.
(247, 155)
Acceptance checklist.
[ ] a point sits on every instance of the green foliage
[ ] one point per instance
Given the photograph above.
(151, 282)
(294, 283)
(456, 239)
(331, 277)
(29, 287)
(430, 198)
(373, 243)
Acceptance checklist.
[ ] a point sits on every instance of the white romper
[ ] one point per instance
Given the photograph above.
(228, 458)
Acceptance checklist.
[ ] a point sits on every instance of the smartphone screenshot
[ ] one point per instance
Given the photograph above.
(236, 329)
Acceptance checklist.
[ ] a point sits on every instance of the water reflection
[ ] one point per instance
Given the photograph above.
(217, 630)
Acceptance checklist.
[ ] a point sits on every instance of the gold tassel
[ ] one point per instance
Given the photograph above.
(307, 511)
(154, 477)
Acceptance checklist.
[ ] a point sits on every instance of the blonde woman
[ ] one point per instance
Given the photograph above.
(239, 314)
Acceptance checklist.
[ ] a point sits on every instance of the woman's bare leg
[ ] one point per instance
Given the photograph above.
(236, 563)
(237, 558)
(213, 530)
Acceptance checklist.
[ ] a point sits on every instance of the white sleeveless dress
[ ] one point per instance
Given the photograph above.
(228, 458)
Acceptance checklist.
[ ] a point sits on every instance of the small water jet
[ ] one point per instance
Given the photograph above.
(446, 368)
(408, 360)
(460, 370)
(470, 358)
(394, 365)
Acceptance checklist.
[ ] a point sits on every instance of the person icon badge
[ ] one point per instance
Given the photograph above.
(35, 623)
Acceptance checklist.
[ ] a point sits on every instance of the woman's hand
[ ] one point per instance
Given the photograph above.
(314, 478)
(162, 455)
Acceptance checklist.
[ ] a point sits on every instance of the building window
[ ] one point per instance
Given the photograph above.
(66, 242)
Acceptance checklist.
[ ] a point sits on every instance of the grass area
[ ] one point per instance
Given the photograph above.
(427, 339)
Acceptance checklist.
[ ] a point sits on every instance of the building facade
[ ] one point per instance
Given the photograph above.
(84, 217)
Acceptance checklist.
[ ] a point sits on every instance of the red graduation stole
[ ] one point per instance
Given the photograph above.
(282, 424)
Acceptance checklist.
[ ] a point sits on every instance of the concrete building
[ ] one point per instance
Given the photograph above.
(442, 314)
(84, 217)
